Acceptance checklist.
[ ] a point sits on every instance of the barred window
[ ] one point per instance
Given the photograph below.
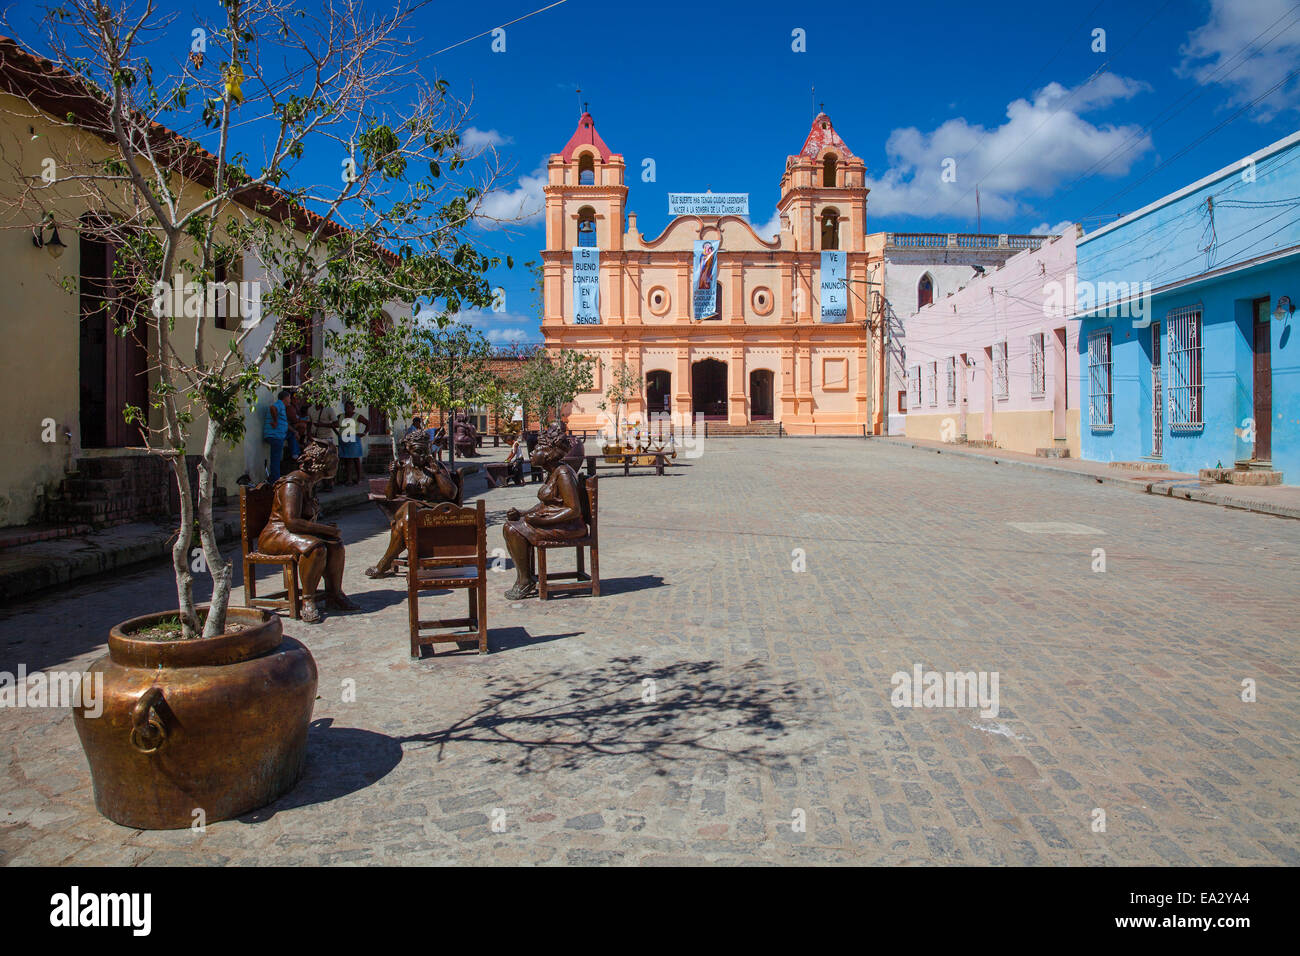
(952, 380)
(1186, 386)
(1037, 369)
(1100, 391)
(1001, 377)
(932, 385)
(916, 386)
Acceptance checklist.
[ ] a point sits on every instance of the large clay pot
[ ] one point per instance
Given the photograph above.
(215, 724)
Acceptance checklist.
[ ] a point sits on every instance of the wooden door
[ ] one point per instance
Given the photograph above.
(1263, 383)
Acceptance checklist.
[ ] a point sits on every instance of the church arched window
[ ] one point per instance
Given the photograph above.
(586, 170)
(829, 165)
(924, 291)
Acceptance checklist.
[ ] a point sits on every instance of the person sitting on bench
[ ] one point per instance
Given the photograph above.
(558, 516)
(518, 460)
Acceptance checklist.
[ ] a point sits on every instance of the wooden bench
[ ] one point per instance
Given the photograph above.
(661, 461)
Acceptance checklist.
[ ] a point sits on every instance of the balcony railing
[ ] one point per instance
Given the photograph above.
(959, 240)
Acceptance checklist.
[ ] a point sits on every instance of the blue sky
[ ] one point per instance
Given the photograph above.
(717, 96)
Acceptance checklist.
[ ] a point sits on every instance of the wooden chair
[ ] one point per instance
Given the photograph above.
(446, 547)
(254, 512)
(390, 506)
(581, 580)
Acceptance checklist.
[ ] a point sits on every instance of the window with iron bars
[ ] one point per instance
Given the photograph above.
(1100, 391)
(933, 384)
(1186, 387)
(1001, 376)
(1037, 369)
(916, 387)
(952, 380)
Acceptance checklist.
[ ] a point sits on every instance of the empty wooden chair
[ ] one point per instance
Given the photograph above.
(446, 547)
(254, 511)
(578, 580)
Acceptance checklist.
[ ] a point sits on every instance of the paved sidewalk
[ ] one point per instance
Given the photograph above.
(39, 565)
(717, 705)
(1280, 500)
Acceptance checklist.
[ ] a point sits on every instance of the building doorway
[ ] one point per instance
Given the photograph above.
(988, 393)
(297, 358)
(760, 395)
(113, 367)
(1060, 385)
(709, 389)
(1263, 383)
(658, 391)
(1157, 396)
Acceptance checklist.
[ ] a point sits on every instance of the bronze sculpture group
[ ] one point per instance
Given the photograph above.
(417, 479)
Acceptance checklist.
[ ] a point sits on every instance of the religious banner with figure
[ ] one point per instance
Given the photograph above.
(835, 287)
(586, 285)
(704, 279)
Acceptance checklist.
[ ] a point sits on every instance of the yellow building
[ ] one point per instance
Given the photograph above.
(66, 375)
(767, 355)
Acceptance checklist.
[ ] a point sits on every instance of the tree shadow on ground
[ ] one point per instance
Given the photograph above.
(562, 720)
(340, 761)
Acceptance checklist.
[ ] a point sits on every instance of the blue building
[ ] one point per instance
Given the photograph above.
(1188, 348)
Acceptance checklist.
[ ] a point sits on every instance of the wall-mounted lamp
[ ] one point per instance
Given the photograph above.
(54, 244)
(1285, 308)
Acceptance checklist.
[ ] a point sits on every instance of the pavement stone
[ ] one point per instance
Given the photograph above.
(1119, 690)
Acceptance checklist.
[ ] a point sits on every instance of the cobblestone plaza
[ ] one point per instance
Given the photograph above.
(717, 705)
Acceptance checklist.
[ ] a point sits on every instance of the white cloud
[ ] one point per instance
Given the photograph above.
(501, 328)
(1212, 49)
(1043, 144)
(520, 206)
(1043, 229)
(769, 229)
(475, 140)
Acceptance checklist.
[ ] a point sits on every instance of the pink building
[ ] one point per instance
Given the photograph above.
(997, 361)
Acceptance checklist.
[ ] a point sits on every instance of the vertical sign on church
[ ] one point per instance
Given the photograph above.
(586, 285)
(704, 279)
(835, 287)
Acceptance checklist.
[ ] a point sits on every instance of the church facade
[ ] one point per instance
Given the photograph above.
(767, 346)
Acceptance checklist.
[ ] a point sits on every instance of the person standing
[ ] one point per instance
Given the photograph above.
(351, 452)
(275, 429)
(297, 418)
(325, 429)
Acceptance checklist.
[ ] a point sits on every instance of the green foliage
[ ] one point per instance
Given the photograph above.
(551, 380)
(624, 385)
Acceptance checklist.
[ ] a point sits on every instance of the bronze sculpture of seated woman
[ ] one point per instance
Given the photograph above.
(292, 529)
(465, 437)
(416, 479)
(558, 516)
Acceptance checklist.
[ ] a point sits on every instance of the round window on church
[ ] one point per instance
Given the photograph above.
(762, 300)
(658, 300)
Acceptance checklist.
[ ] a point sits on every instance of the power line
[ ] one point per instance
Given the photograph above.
(1203, 89)
(1105, 67)
(501, 27)
(1196, 142)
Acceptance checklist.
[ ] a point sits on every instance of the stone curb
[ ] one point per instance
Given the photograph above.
(1187, 491)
